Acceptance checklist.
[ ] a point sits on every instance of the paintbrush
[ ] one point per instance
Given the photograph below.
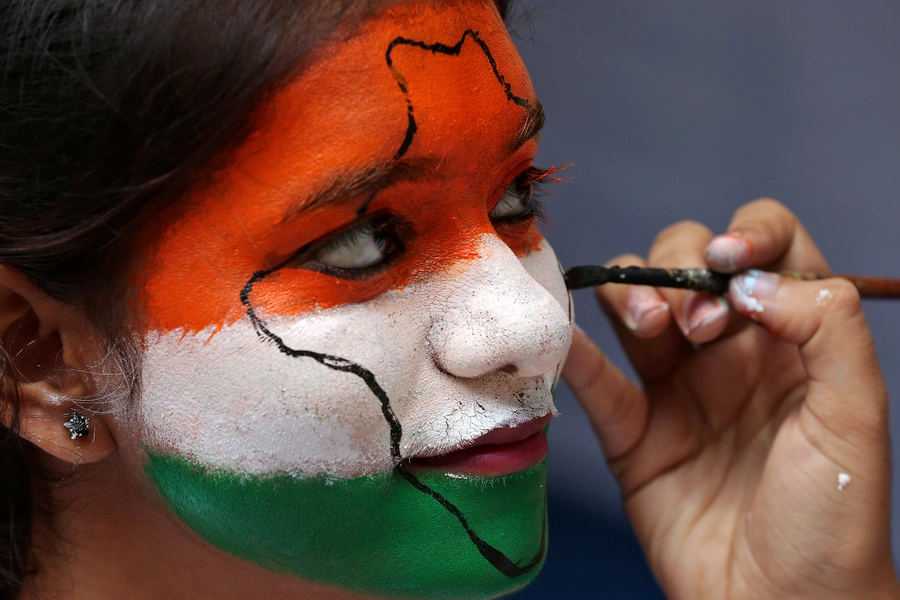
(711, 282)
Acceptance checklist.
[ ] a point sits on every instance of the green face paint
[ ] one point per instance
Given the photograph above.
(377, 535)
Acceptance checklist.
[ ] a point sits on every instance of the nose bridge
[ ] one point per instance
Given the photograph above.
(495, 316)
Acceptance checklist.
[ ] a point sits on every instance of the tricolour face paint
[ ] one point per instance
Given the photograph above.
(363, 288)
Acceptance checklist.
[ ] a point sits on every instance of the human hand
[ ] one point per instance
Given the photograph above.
(755, 461)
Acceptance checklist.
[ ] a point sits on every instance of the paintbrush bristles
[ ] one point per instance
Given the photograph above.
(700, 280)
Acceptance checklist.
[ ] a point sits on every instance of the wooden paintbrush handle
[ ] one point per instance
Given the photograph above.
(869, 287)
(875, 287)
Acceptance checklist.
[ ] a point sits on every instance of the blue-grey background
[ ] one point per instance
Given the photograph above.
(686, 110)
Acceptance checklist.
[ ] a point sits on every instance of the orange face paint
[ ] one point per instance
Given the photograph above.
(348, 116)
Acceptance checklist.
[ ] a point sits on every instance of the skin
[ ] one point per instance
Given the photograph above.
(243, 462)
(730, 456)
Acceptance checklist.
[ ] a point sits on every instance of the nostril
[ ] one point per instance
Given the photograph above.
(509, 369)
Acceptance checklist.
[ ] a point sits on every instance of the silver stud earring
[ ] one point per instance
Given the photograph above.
(77, 425)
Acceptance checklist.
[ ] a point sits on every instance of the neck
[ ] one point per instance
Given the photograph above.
(108, 535)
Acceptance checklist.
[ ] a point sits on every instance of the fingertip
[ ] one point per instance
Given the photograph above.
(704, 317)
(729, 252)
(647, 314)
(748, 290)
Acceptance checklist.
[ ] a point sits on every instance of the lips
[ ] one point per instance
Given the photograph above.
(501, 451)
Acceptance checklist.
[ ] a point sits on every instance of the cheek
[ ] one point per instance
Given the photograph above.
(293, 400)
(235, 400)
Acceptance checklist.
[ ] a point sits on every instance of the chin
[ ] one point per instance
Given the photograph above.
(425, 533)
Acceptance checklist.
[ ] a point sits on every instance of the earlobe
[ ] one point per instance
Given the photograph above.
(45, 427)
(47, 346)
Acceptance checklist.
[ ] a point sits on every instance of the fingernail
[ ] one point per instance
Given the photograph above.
(749, 289)
(644, 307)
(729, 252)
(703, 317)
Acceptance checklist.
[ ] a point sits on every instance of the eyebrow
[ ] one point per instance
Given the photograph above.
(368, 181)
(534, 122)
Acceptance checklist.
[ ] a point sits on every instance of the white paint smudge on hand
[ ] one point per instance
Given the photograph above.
(843, 481)
(745, 296)
(754, 305)
(824, 296)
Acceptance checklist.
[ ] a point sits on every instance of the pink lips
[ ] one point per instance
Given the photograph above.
(501, 451)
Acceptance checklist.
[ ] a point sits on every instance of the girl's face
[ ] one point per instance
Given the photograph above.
(360, 294)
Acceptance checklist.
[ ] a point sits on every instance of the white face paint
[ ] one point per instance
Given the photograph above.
(460, 354)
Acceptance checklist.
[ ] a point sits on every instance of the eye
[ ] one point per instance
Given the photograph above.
(364, 246)
(515, 202)
(519, 202)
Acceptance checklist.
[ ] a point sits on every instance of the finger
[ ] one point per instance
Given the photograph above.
(642, 320)
(641, 309)
(764, 233)
(837, 436)
(846, 398)
(704, 317)
(616, 407)
(700, 317)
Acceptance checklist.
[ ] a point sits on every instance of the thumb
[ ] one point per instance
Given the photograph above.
(846, 392)
(617, 408)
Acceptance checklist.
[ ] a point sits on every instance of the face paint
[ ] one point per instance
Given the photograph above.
(284, 391)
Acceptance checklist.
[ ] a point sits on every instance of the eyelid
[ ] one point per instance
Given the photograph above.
(521, 168)
(334, 235)
(350, 238)
(532, 176)
(306, 257)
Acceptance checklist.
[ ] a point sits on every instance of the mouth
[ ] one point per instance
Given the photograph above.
(501, 451)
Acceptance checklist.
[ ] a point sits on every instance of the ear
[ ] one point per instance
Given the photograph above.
(50, 347)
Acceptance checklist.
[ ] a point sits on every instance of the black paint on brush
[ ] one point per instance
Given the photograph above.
(699, 280)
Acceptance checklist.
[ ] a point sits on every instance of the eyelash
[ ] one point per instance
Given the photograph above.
(526, 187)
(532, 182)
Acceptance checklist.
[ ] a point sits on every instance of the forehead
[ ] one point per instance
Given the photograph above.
(442, 86)
(452, 69)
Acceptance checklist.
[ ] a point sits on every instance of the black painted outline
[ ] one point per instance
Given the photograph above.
(332, 362)
(495, 557)
(439, 48)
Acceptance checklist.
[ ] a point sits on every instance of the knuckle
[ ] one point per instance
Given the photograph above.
(772, 225)
(846, 301)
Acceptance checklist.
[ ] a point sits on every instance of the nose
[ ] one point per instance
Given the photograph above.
(495, 316)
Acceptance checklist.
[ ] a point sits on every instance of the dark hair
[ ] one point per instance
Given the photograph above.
(108, 111)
